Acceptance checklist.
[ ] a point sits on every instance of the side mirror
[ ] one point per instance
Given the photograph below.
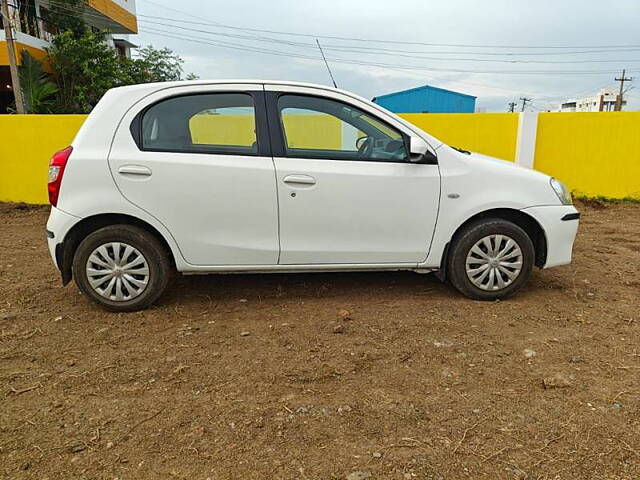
(419, 151)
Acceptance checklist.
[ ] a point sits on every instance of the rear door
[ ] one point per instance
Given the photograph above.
(198, 159)
(347, 192)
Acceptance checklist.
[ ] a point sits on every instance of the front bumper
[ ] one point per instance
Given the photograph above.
(560, 225)
(58, 226)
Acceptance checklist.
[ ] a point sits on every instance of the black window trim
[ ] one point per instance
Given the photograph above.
(278, 144)
(262, 132)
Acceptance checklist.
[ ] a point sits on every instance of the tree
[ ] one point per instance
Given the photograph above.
(37, 88)
(65, 15)
(84, 68)
(159, 65)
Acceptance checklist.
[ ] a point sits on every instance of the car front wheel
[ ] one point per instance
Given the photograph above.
(490, 259)
(122, 268)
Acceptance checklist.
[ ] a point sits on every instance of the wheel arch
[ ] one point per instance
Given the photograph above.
(66, 250)
(525, 221)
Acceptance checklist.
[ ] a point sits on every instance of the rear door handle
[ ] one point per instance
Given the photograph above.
(299, 180)
(134, 170)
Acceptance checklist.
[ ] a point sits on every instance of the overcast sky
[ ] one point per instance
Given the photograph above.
(195, 29)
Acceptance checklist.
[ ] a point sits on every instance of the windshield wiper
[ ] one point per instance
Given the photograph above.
(461, 150)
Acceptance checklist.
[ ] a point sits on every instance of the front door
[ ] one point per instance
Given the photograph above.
(199, 162)
(347, 193)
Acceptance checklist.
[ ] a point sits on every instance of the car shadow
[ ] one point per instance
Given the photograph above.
(342, 286)
(282, 286)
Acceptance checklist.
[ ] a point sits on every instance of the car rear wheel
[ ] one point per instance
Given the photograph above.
(490, 259)
(122, 268)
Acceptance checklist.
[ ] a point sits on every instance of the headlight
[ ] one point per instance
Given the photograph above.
(562, 191)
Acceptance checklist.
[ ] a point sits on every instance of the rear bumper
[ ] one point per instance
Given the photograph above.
(58, 226)
(560, 225)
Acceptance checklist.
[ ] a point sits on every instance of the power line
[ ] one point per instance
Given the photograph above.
(404, 55)
(251, 48)
(254, 49)
(397, 42)
(348, 49)
(525, 100)
(379, 49)
(630, 48)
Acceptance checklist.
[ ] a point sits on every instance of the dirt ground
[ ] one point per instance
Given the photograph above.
(259, 376)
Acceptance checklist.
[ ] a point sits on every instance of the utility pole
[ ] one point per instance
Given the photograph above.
(525, 100)
(619, 99)
(11, 50)
(512, 107)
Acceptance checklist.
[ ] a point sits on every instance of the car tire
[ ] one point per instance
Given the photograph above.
(122, 268)
(490, 259)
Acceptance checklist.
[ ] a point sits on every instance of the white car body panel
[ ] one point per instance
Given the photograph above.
(560, 235)
(221, 209)
(482, 184)
(59, 222)
(238, 226)
(357, 212)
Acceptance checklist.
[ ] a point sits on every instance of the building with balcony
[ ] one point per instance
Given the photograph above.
(34, 34)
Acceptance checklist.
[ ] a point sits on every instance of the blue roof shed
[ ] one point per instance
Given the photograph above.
(427, 99)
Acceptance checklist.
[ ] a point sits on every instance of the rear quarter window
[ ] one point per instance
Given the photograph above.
(223, 123)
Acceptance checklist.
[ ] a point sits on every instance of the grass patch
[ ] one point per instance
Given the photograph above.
(587, 199)
(600, 201)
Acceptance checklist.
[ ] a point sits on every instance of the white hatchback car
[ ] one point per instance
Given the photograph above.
(256, 176)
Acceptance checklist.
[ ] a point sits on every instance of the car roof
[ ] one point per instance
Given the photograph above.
(143, 89)
(243, 81)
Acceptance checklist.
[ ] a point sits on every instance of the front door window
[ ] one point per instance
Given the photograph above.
(321, 128)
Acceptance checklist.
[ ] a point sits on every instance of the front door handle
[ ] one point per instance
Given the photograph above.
(299, 180)
(134, 170)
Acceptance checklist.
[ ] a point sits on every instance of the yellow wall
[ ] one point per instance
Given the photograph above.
(489, 133)
(302, 130)
(223, 129)
(593, 153)
(492, 134)
(27, 142)
(597, 154)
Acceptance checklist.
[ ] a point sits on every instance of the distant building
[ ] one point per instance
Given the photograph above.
(603, 101)
(427, 99)
(122, 45)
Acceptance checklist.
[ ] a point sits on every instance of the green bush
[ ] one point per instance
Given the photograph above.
(85, 67)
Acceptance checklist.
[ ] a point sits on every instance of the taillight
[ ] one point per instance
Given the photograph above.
(56, 170)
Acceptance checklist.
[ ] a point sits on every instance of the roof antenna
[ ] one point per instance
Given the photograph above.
(327, 64)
